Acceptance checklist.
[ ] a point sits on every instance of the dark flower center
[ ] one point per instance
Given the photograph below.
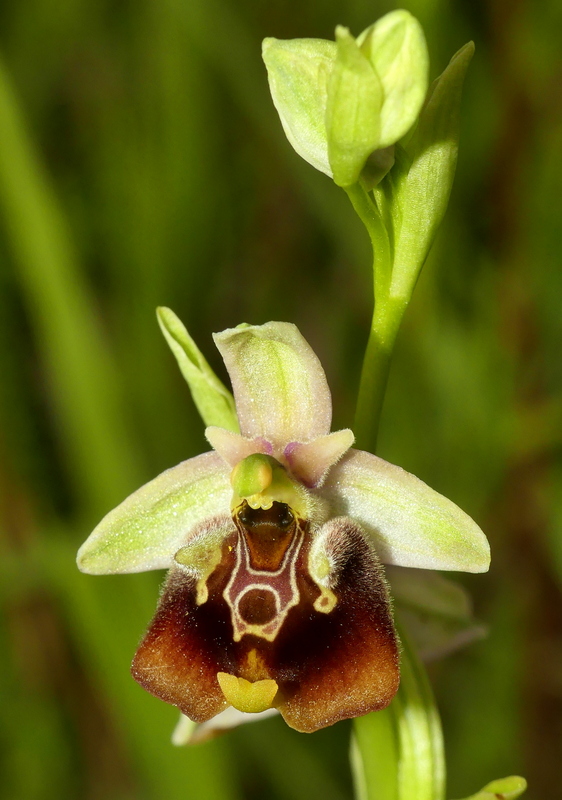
(257, 606)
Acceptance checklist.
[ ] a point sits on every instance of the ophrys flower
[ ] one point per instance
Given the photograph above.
(275, 540)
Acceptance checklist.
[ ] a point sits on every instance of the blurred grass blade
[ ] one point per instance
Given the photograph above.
(82, 378)
(213, 400)
(106, 641)
(102, 464)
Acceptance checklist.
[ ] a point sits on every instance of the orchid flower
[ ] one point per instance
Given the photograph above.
(275, 543)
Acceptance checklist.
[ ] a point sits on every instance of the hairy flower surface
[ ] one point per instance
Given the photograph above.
(274, 541)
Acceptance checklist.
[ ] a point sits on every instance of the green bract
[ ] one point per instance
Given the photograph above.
(414, 195)
(340, 103)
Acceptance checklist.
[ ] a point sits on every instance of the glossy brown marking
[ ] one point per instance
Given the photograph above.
(257, 606)
(273, 538)
(268, 534)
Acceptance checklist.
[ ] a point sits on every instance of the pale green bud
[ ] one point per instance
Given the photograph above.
(340, 104)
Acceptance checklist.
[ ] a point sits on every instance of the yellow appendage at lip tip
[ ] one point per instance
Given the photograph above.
(246, 696)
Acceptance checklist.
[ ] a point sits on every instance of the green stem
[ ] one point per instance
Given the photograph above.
(384, 327)
(396, 754)
(369, 214)
(374, 377)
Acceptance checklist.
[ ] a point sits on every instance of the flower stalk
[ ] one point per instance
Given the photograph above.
(358, 111)
(397, 753)
(384, 325)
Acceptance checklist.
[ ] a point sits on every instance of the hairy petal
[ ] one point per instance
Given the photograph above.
(145, 531)
(179, 658)
(310, 461)
(215, 641)
(279, 385)
(411, 525)
(232, 447)
(344, 662)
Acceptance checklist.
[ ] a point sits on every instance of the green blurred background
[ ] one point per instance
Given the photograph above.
(142, 163)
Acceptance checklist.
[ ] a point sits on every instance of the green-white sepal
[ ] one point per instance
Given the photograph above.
(414, 195)
(151, 525)
(353, 111)
(502, 789)
(396, 47)
(298, 72)
(212, 399)
(410, 524)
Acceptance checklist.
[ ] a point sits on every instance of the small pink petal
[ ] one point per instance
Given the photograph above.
(232, 447)
(310, 461)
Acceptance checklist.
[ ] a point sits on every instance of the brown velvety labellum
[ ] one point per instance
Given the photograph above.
(187, 644)
(329, 666)
(342, 664)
